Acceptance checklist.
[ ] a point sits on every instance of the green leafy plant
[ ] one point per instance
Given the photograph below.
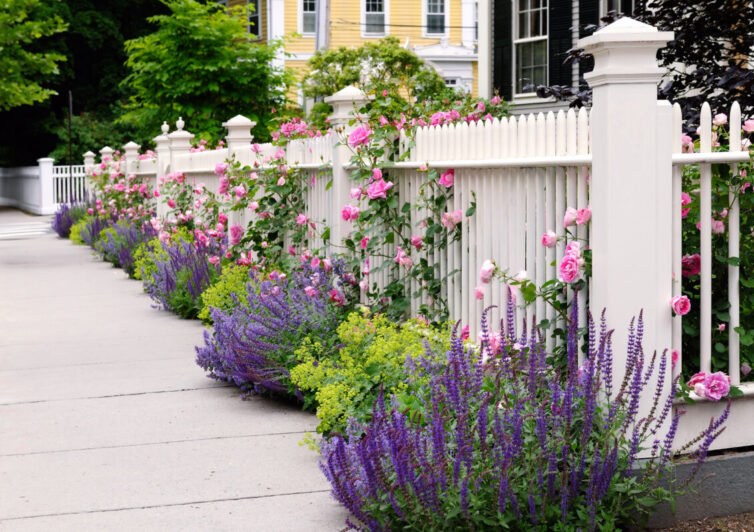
(200, 64)
(228, 292)
(375, 355)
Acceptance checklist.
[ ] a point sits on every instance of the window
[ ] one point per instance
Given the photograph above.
(255, 22)
(627, 7)
(451, 83)
(435, 17)
(374, 17)
(308, 17)
(476, 22)
(530, 44)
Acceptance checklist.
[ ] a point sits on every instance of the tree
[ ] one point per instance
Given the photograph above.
(709, 59)
(20, 67)
(200, 64)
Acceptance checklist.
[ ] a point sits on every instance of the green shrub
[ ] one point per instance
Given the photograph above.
(220, 295)
(76, 229)
(147, 253)
(373, 356)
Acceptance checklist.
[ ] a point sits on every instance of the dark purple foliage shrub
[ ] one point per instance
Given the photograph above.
(254, 347)
(118, 243)
(183, 271)
(501, 440)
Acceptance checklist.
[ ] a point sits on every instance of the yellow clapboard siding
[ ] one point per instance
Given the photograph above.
(475, 81)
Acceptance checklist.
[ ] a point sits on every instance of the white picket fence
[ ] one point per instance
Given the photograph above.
(623, 158)
(68, 183)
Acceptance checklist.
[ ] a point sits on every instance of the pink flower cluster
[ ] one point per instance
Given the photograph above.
(451, 219)
(359, 136)
(350, 213)
(447, 178)
(577, 217)
(680, 305)
(712, 386)
(403, 259)
(570, 266)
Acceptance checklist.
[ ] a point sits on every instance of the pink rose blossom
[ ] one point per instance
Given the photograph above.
(569, 269)
(236, 233)
(364, 285)
(447, 178)
(451, 219)
(310, 291)
(583, 215)
(220, 168)
(356, 192)
(403, 259)
(224, 185)
(423, 167)
(337, 298)
(359, 136)
(384, 121)
(364, 242)
(280, 154)
(691, 265)
(171, 203)
(349, 213)
(570, 217)
(327, 264)
(156, 193)
(253, 205)
(681, 305)
(496, 100)
(674, 358)
(214, 259)
(417, 242)
(720, 119)
(479, 292)
(721, 327)
(465, 333)
(376, 174)
(315, 262)
(301, 219)
(549, 239)
(687, 144)
(379, 189)
(749, 126)
(239, 191)
(717, 386)
(487, 271)
(573, 249)
(281, 181)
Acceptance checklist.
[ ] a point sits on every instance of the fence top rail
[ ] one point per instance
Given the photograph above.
(517, 162)
(711, 157)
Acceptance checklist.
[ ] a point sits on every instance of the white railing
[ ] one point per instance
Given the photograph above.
(68, 184)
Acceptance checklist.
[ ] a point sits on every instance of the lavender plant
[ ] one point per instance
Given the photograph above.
(118, 243)
(499, 439)
(67, 215)
(253, 346)
(180, 276)
(92, 227)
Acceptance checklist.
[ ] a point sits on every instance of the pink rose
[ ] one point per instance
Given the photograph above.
(570, 217)
(487, 271)
(171, 203)
(349, 213)
(496, 100)
(674, 358)
(253, 205)
(310, 291)
(447, 178)
(364, 242)
(451, 219)
(717, 386)
(573, 249)
(356, 193)
(222, 218)
(280, 154)
(214, 260)
(479, 292)
(327, 264)
(364, 285)
(301, 219)
(465, 333)
(337, 298)
(417, 242)
(691, 264)
(695, 379)
(220, 168)
(376, 174)
(359, 136)
(720, 119)
(224, 185)
(569, 269)
(256, 148)
(717, 227)
(721, 327)
(281, 181)
(583, 216)
(749, 125)
(236, 232)
(379, 189)
(240, 191)
(549, 239)
(681, 305)
(403, 259)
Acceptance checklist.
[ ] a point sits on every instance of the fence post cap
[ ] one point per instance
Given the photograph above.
(239, 121)
(164, 128)
(107, 150)
(45, 160)
(625, 52)
(89, 154)
(350, 95)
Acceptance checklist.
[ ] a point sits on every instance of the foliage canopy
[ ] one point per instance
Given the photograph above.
(22, 22)
(200, 64)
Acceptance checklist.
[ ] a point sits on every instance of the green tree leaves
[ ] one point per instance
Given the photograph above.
(21, 24)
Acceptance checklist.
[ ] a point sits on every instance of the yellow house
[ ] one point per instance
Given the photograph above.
(442, 32)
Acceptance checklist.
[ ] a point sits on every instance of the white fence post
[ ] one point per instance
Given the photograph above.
(345, 102)
(106, 153)
(631, 189)
(180, 142)
(162, 150)
(131, 152)
(239, 135)
(88, 167)
(46, 197)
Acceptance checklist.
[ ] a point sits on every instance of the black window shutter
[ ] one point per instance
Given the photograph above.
(502, 48)
(589, 14)
(560, 41)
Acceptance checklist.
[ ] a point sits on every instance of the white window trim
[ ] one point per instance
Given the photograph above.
(427, 35)
(603, 8)
(301, 22)
(258, 15)
(546, 38)
(364, 34)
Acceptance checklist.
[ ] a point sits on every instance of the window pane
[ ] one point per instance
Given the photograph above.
(544, 22)
(523, 5)
(436, 6)
(435, 23)
(374, 6)
(534, 23)
(310, 6)
(375, 23)
(310, 23)
(523, 26)
(539, 51)
(540, 75)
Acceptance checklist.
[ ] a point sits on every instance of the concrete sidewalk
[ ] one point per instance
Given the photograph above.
(106, 423)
